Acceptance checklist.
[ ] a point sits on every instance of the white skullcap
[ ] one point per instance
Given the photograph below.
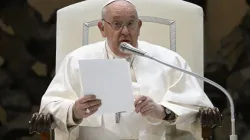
(111, 1)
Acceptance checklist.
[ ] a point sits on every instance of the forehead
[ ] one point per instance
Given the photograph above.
(121, 9)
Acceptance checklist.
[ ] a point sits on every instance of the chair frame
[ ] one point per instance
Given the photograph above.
(151, 19)
(209, 118)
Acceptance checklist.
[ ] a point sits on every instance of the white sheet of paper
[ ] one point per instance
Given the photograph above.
(110, 81)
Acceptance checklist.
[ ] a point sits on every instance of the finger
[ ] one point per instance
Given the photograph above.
(139, 99)
(89, 114)
(87, 98)
(146, 108)
(90, 104)
(85, 114)
(93, 108)
(146, 113)
(140, 105)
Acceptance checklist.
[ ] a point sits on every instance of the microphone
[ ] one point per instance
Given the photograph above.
(127, 48)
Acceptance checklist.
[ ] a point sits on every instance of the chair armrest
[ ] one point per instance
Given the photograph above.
(41, 123)
(209, 118)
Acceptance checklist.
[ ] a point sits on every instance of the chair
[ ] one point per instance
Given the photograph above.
(177, 24)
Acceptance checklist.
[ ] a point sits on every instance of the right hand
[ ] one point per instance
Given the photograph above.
(82, 104)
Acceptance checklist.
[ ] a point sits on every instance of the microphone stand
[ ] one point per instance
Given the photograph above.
(233, 136)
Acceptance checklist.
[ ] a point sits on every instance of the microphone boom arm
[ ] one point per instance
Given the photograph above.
(233, 136)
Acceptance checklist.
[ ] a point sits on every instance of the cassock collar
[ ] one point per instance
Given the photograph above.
(111, 55)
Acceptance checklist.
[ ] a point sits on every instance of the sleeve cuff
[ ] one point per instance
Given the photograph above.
(173, 116)
(183, 113)
(154, 121)
(70, 121)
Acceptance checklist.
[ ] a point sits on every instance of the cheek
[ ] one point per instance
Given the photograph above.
(113, 36)
(134, 36)
(135, 33)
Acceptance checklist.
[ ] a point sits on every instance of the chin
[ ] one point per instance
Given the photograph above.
(122, 54)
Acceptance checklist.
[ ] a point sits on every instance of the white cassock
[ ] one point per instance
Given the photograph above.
(175, 90)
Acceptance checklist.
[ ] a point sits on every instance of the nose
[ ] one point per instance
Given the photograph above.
(125, 30)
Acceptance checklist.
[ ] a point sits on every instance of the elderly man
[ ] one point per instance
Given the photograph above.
(166, 97)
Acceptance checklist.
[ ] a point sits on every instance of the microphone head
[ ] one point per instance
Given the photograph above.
(127, 48)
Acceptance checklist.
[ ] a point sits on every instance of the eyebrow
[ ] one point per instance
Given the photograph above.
(118, 17)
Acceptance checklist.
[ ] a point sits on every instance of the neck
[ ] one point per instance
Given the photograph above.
(112, 54)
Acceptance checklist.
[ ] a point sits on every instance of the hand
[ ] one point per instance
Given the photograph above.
(146, 106)
(85, 106)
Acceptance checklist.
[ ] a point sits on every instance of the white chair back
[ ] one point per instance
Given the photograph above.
(174, 24)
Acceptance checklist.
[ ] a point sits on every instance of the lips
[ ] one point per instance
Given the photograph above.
(125, 41)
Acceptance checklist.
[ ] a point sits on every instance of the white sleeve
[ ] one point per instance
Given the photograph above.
(61, 95)
(185, 96)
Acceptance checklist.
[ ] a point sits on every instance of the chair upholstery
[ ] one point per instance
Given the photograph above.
(177, 24)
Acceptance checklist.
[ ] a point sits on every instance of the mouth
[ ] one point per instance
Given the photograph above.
(125, 40)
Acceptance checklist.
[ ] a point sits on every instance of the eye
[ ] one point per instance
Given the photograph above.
(116, 23)
(131, 22)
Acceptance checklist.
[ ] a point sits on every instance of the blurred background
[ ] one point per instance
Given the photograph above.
(27, 60)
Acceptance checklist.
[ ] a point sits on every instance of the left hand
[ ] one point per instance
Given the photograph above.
(146, 106)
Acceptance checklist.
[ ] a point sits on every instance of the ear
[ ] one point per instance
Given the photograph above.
(101, 28)
(139, 26)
